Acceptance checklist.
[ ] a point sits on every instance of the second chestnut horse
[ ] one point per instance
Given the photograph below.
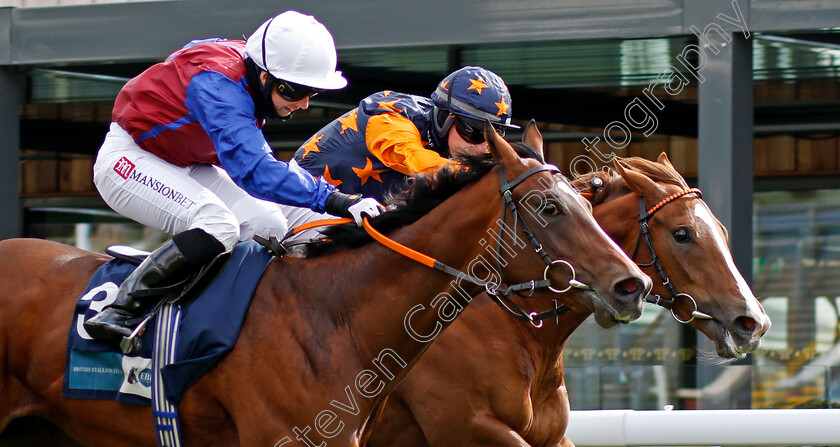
(493, 381)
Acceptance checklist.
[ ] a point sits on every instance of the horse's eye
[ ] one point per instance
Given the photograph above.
(681, 235)
(552, 208)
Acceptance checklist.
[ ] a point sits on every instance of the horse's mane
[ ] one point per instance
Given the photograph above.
(418, 196)
(614, 186)
(415, 198)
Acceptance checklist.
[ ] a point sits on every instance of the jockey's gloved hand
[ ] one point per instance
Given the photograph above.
(352, 205)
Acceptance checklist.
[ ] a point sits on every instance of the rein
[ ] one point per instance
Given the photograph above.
(644, 234)
(499, 293)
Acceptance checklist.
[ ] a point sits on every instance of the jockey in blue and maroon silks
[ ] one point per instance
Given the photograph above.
(185, 153)
(373, 148)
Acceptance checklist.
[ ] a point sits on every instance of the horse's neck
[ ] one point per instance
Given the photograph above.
(547, 344)
(387, 303)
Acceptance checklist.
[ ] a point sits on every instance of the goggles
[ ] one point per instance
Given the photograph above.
(471, 130)
(295, 92)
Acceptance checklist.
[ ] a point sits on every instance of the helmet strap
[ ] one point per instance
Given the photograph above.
(442, 120)
(262, 104)
(261, 92)
(441, 123)
(268, 104)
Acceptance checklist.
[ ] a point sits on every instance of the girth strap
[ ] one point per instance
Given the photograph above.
(167, 425)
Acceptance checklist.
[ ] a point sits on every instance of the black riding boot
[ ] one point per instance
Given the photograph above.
(168, 264)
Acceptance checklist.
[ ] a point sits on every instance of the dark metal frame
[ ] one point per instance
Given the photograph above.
(12, 86)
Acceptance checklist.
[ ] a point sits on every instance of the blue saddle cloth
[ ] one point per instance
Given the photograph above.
(210, 325)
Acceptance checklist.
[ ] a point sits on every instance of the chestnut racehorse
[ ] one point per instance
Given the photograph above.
(326, 338)
(492, 381)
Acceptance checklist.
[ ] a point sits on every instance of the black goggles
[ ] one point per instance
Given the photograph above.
(472, 131)
(295, 92)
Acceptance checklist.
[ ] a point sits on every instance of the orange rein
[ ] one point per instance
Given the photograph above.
(377, 236)
(397, 247)
(321, 223)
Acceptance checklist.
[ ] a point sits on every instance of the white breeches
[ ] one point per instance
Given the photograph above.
(158, 194)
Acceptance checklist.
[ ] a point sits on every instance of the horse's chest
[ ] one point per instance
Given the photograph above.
(549, 419)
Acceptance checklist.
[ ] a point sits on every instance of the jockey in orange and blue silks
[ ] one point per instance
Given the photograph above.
(185, 154)
(371, 149)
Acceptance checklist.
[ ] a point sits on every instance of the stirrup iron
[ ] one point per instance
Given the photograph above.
(132, 344)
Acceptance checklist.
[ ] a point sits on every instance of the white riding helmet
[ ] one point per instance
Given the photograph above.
(296, 48)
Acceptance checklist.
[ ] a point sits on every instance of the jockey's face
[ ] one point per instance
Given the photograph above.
(459, 146)
(282, 106)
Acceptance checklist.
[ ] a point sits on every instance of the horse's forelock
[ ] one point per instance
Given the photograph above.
(612, 186)
(526, 151)
(658, 172)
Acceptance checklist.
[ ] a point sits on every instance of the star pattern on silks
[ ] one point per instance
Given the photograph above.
(477, 84)
(368, 172)
(329, 179)
(503, 107)
(349, 122)
(444, 84)
(390, 105)
(312, 145)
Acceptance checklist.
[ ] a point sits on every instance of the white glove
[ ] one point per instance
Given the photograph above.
(365, 207)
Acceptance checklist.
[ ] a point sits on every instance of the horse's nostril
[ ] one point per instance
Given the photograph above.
(627, 287)
(745, 324)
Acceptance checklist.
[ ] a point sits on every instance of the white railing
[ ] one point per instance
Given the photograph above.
(704, 428)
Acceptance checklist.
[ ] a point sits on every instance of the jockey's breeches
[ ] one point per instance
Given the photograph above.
(145, 188)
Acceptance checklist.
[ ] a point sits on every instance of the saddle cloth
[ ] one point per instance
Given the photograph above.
(210, 325)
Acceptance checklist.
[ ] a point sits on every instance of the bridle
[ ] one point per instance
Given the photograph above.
(501, 295)
(644, 234)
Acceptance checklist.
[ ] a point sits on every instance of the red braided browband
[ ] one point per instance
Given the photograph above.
(672, 197)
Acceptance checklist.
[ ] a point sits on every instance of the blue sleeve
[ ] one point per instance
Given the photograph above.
(225, 110)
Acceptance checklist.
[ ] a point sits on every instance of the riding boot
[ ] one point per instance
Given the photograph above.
(171, 262)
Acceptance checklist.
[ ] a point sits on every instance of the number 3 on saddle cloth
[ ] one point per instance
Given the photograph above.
(209, 327)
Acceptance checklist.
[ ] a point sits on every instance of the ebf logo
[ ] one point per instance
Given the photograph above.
(145, 377)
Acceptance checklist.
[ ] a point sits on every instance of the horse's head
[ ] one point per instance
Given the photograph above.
(691, 246)
(577, 256)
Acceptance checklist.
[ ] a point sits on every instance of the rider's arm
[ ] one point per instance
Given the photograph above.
(225, 110)
(395, 140)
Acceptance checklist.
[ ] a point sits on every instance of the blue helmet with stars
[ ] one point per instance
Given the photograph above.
(474, 94)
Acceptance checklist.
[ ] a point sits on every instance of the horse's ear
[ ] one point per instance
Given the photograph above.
(663, 159)
(501, 151)
(636, 181)
(532, 137)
